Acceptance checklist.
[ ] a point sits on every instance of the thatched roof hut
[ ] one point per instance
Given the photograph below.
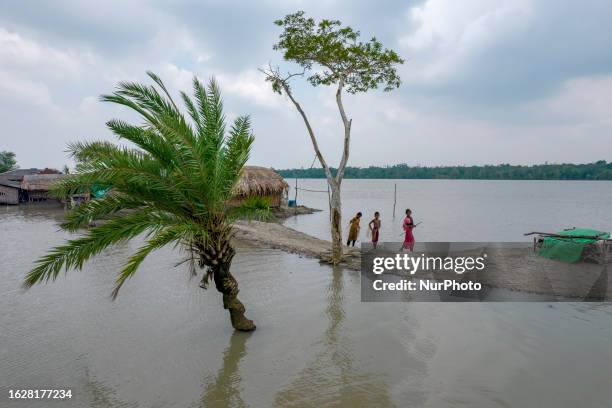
(13, 178)
(262, 182)
(23, 185)
(41, 182)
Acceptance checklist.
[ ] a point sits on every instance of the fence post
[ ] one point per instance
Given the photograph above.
(295, 204)
(394, 199)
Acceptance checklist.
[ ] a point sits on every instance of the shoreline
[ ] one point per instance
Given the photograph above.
(277, 236)
(514, 269)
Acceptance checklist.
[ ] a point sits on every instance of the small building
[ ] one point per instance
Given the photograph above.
(37, 186)
(26, 185)
(259, 181)
(9, 194)
(10, 185)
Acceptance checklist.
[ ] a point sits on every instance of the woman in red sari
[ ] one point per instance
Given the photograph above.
(408, 227)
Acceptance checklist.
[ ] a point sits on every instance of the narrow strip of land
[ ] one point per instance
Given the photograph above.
(517, 269)
(277, 236)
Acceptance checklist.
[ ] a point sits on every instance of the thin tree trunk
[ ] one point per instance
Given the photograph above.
(336, 223)
(228, 286)
(337, 182)
(333, 182)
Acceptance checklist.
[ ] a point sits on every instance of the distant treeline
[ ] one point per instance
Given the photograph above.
(600, 170)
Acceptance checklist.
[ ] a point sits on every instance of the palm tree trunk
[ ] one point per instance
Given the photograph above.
(228, 286)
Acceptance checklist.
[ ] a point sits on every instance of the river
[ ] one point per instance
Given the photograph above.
(462, 210)
(167, 343)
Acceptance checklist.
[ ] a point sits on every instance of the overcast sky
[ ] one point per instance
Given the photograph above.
(485, 81)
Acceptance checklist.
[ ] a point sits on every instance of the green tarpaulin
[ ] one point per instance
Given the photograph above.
(570, 249)
(98, 191)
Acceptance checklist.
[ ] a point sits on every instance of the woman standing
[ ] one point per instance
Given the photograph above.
(408, 227)
(374, 226)
(354, 230)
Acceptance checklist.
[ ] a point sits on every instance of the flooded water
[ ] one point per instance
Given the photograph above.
(167, 343)
(461, 210)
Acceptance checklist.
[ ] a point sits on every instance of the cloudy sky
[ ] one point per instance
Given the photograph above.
(485, 81)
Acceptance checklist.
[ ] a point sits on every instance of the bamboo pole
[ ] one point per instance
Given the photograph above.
(552, 235)
(394, 199)
(295, 204)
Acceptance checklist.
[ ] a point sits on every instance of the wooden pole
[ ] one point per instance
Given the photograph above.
(394, 199)
(329, 203)
(295, 197)
(549, 234)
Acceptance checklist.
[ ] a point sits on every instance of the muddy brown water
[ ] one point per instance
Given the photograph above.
(167, 343)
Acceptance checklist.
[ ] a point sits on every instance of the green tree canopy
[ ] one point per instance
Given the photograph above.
(7, 161)
(600, 170)
(342, 60)
(336, 48)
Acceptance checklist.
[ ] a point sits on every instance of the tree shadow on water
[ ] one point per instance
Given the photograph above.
(332, 378)
(225, 390)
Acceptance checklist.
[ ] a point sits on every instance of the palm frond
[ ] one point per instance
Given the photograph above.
(174, 184)
(146, 139)
(193, 111)
(160, 83)
(75, 252)
(128, 171)
(85, 213)
(236, 154)
(174, 233)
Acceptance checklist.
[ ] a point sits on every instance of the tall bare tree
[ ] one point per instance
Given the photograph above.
(340, 60)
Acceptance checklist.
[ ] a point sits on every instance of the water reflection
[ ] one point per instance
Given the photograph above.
(33, 212)
(225, 390)
(333, 379)
(101, 395)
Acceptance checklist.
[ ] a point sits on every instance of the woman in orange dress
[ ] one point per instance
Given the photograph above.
(374, 226)
(354, 230)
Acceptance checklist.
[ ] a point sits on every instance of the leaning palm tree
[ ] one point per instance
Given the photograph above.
(175, 187)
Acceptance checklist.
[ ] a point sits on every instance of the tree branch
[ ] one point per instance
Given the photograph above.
(313, 139)
(274, 76)
(347, 132)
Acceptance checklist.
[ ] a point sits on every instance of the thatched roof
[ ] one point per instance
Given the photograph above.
(16, 174)
(10, 183)
(257, 180)
(15, 178)
(32, 182)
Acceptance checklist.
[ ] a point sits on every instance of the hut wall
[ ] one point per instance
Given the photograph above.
(9, 195)
(276, 200)
(38, 195)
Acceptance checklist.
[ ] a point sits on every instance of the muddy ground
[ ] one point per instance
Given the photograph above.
(517, 269)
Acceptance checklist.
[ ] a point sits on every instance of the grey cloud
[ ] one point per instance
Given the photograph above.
(556, 41)
(505, 93)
